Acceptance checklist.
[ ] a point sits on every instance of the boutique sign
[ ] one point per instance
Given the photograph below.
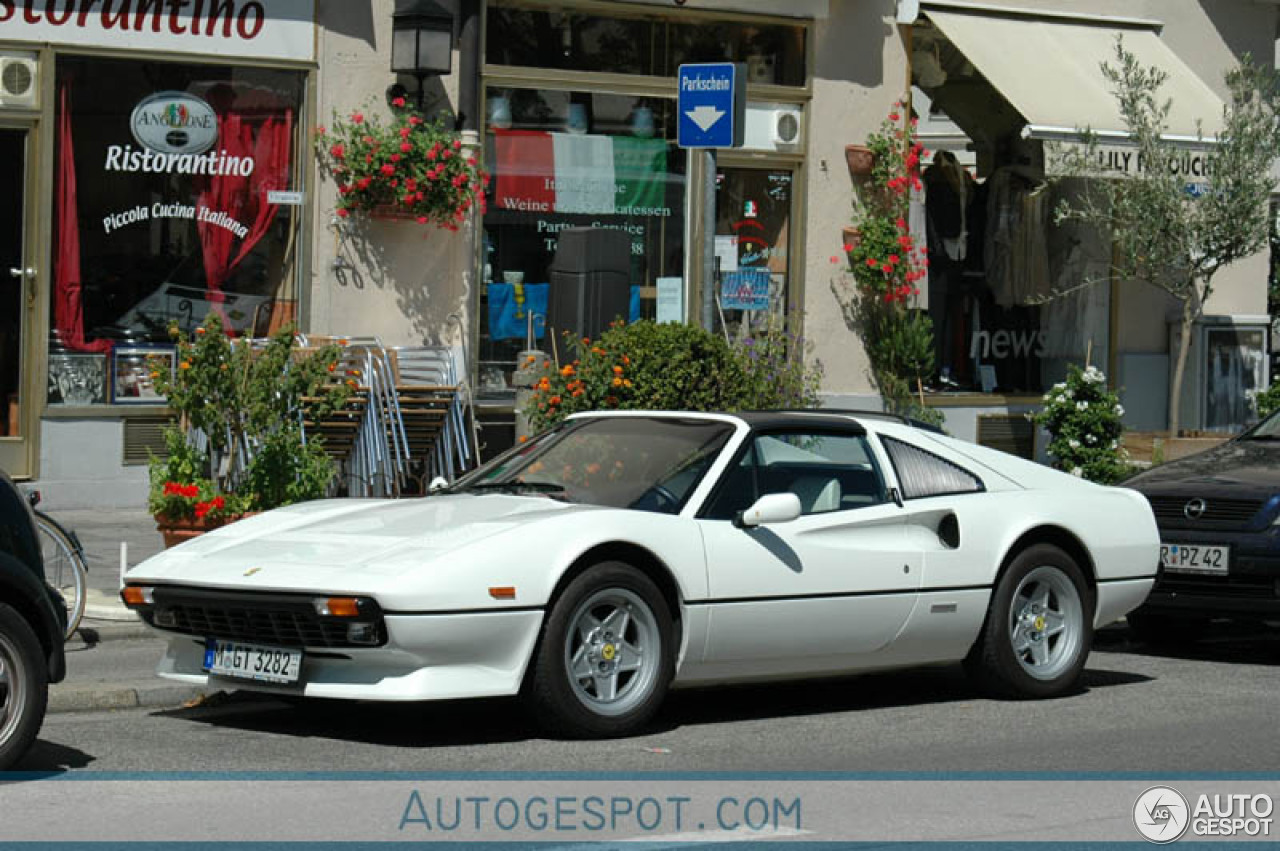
(262, 29)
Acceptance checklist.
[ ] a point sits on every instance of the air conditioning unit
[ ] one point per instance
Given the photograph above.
(19, 80)
(787, 127)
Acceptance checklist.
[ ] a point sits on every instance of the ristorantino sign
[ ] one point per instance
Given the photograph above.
(264, 29)
(174, 123)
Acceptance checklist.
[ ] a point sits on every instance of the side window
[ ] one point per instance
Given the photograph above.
(828, 471)
(923, 474)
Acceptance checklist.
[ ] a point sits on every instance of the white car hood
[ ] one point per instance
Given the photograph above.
(294, 545)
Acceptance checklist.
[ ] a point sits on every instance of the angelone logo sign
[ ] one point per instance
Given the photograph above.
(274, 29)
(174, 123)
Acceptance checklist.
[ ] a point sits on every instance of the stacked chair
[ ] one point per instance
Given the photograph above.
(405, 424)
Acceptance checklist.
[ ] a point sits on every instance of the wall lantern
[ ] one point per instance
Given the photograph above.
(421, 39)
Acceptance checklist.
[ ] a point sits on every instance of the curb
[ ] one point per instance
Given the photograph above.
(66, 699)
(95, 632)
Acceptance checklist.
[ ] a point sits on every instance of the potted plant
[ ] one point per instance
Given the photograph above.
(410, 168)
(886, 263)
(860, 159)
(238, 446)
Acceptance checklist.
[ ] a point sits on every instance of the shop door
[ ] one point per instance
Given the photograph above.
(17, 302)
(753, 247)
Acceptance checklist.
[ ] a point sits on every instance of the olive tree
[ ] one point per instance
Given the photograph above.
(1163, 233)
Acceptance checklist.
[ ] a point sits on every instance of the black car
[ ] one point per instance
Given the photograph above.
(32, 618)
(1219, 518)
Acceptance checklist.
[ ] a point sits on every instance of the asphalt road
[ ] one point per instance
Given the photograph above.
(1209, 709)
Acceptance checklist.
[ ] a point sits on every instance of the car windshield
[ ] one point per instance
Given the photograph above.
(646, 463)
(1268, 429)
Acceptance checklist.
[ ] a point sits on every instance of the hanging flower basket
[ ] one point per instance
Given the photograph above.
(409, 168)
(860, 158)
(850, 237)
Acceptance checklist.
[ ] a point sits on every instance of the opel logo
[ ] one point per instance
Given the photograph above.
(1193, 509)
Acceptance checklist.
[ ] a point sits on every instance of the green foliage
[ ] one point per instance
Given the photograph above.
(673, 366)
(247, 402)
(1161, 234)
(1266, 402)
(1083, 420)
(885, 262)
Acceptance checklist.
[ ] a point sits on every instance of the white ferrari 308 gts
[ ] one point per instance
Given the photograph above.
(601, 563)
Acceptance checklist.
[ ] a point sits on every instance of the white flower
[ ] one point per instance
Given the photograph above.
(1119, 410)
(1060, 386)
(1077, 472)
(1073, 443)
(1082, 406)
(1093, 375)
(1115, 444)
(1090, 439)
(1070, 394)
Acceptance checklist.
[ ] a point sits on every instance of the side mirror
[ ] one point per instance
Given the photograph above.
(438, 484)
(770, 508)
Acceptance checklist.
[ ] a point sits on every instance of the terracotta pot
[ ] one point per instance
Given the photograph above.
(175, 532)
(860, 159)
(391, 213)
(850, 236)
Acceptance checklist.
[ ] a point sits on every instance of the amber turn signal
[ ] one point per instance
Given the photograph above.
(505, 592)
(136, 595)
(338, 607)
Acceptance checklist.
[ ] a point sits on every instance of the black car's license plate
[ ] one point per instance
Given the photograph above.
(1210, 559)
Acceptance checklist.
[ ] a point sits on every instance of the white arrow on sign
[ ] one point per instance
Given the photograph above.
(705, 116)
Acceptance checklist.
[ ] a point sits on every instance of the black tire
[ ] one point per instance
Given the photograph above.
(24, 686)
(581, 706)
(1164, 630)
(1048, 663)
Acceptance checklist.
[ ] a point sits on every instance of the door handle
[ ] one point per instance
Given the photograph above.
(22, 273)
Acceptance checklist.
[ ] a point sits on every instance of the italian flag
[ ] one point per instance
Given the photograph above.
(538, 171)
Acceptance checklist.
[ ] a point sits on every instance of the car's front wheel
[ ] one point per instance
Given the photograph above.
(605, 658)
(24, 686)
(1039, 627)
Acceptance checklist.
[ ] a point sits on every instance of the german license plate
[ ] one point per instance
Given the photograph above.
(252, 661)
(1195, 558)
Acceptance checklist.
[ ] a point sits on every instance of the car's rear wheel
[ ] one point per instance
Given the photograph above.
(1167, 630)
(605, 657)
(24, 686)
(1039, 627)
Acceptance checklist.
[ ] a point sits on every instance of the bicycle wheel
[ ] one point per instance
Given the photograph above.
(64, 567)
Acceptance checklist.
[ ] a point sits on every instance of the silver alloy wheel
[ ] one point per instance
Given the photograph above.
(611, 651)
(1046, 622)
(13, 694)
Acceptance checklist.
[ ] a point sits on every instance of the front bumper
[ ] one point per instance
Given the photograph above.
(426, 657)
(1251, 586)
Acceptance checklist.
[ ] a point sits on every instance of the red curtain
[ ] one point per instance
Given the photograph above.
(68, 306)
(243, 199)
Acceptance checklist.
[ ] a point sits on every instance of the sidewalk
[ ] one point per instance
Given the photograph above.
(111, 660)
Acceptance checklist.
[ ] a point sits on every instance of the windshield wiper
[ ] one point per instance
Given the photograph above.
(514, 487)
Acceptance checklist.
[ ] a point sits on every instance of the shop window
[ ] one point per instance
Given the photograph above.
(566, 160)
(162, 179)
(647, 45)
(752, 248)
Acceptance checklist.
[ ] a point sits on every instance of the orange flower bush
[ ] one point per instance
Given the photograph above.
(417, 167)
(672, 366)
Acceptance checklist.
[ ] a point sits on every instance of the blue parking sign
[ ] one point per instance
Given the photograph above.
(712, 105)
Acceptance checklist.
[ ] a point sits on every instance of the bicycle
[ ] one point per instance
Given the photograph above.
(65, 567)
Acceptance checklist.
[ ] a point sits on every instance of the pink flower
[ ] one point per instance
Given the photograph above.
(342, 214)
(338, 151)
(847, 247)
(404, 132)
(405, 147)
(398, 103)
(357, 118)
(835, 259)
(388, 170)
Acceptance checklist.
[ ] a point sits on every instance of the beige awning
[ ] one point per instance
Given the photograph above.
(1049, 70)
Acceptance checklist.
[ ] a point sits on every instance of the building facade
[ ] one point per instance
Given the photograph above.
(152, 182)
